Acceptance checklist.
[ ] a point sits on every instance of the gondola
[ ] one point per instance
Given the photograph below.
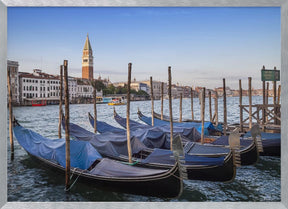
(248, 151)
(90, 167)
(271, 142)
(209, 167)
(209, 128)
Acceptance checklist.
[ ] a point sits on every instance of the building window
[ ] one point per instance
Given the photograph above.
(40, 88)
(36, 88)
(24, 88)
(47, 88)
(40, 95)
(40, 81)
(44, 88)
(36, 95)
(24, 95)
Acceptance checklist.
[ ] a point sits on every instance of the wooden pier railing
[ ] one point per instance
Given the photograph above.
(268, 115)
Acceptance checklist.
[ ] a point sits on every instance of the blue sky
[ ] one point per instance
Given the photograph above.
(202, 45)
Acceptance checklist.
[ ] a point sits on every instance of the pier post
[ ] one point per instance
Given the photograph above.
(274, 98)
(152, 100)
(250, 101)
(240, 105)
(162, 99)
(267, 100)
(67, 138)
(210, 106)
(216, 108)
(128, 113)
(60, 102)
(180, 111)
(10, 114)
(202, 115)
(95, 107)
(170, 107)
(192, 97)
(225, 107)
(278, 102)
(279, 94)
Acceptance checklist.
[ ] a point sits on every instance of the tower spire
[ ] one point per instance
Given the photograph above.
(87, 60)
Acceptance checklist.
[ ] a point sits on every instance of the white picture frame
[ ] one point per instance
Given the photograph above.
(148, 3)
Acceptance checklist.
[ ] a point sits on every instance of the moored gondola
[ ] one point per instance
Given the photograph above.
(271, 142)
(90, 167)
(248, 148)
(202, 162)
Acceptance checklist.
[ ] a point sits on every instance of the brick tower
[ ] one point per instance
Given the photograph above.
(87, 60)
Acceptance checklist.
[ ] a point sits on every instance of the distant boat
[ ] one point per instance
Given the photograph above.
(39, 103)
(117, 102)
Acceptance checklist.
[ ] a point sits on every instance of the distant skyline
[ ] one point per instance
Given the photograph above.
(202, 45)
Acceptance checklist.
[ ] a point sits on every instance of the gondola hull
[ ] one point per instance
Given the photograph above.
(163, 186)
(224, 173)
(89, 166)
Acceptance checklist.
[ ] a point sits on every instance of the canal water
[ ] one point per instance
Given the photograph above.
(29, 182)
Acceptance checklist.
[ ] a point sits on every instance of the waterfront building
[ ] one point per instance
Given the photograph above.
(87, 60)
(13, 68)
(136, 85)
(156, 88)
(85, 89)
(38, 86)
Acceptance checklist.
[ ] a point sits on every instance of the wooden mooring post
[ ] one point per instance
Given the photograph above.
(152, 101)
(210, 105)
(279, 94)
(192, 97)
(128, 113)
(10, 114)
(216, 108)
(225, 107)
(202, 115)
(274, 99)
(250, 101)
(170, 107)
(162, 99)
(264, 103)
(240, 105)
(67, 137)
(94, 105)
(267, 99)
(180, 110)
(60, 102)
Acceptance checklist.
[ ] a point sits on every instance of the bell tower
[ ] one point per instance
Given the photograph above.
(87, 60)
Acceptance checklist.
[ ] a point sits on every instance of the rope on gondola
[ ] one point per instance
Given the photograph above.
(66, 190)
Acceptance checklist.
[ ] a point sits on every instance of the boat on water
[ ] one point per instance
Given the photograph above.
(271, 142)
(117, 101)
(202, 162)
(89, 166)
(249, 153)
(212, 167)
(38, 103)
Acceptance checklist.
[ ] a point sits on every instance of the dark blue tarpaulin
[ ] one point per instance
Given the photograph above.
(82, 154)
(197, 125)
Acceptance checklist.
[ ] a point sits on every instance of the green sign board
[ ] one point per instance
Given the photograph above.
(270, 75)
